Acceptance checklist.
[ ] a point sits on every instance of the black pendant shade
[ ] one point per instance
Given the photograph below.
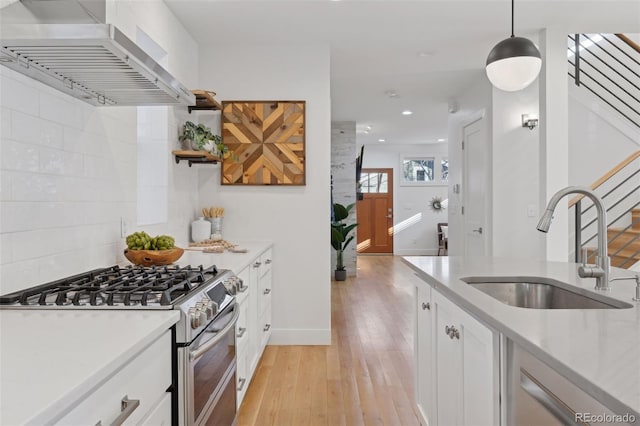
(512, 47)
(514, 63)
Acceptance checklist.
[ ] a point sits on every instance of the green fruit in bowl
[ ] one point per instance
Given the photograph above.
(143, 241)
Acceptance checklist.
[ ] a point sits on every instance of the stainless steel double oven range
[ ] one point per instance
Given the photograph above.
(204, 366)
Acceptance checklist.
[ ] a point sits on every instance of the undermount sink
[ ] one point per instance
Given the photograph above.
(533, 293)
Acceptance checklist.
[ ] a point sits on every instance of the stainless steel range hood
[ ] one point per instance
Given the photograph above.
(94, 62)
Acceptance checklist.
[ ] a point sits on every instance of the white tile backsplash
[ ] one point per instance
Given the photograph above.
(18, 275)
(51, 134)
(6, 248)
(68, 174)
(19, 156)
(5, 123)
(5, 185)
(61, 162)
(25, 127)
(18, 96)
(61, 110)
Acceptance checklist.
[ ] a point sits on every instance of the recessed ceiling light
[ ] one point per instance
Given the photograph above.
(407, 112)
(441, 140)
(381, 140)
(367, 127)
(425, 54)
(391, 94)
(366, 132)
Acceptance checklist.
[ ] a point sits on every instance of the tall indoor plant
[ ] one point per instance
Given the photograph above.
(340, 237)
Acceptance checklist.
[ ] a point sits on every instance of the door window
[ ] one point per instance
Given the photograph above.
(377, 183)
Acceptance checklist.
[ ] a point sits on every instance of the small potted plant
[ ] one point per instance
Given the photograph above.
(340, 237)
(199, 137)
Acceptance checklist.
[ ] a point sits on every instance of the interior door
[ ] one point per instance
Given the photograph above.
(475, 192)
(375, 211)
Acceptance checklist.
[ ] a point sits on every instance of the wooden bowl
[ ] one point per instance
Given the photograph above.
(153, 257)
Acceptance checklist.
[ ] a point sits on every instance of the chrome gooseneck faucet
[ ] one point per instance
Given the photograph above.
(603, 264)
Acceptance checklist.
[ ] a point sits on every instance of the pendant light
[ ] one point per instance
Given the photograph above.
(514, 63)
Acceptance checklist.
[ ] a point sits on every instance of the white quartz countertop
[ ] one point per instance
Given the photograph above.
(596, 349)
(236, 262)
(49, 359)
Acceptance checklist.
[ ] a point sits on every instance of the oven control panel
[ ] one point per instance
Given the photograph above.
(235, 285)
(202, 312)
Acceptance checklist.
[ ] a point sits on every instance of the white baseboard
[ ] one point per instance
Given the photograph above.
(416, 252)
(300, 336)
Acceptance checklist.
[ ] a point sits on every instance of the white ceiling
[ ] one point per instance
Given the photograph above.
(375, 47)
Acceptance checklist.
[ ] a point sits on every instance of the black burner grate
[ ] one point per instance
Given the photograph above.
(116, 286)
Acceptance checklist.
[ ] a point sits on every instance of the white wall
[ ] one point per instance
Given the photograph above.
(415, 224)
(68, 170)
(474, 101)
(516, 209)
(296, 219)
(554, 138)
(598, 139)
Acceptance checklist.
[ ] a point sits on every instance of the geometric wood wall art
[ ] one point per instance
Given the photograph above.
(267, 139)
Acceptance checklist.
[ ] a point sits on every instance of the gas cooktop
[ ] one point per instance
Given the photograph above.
(115, 287)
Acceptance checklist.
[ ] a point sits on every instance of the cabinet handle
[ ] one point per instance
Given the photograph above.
(241, 383)
(267, 262)
(447, 330)
(267, 327)
(243, 288)
(257, 264)
(127, 407)
(241, 331)
(426, 306)
(267, 290)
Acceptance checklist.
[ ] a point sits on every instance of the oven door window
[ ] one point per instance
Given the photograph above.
(224, 411)
(212, 367)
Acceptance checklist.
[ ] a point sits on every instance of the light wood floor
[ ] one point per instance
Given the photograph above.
(364, 378)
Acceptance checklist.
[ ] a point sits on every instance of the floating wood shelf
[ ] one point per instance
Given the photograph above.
(195, 157)
(204, 101)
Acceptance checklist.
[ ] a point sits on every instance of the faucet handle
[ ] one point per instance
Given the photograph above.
(633, 277)
(584, 255)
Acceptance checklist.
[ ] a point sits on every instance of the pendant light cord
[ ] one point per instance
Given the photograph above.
(512, 6)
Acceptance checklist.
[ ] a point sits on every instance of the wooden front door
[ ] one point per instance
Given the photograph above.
(375, 212)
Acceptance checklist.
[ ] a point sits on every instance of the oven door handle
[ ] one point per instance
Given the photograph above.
(193, 355)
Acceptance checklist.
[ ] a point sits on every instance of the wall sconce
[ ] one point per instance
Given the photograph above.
(530, 121)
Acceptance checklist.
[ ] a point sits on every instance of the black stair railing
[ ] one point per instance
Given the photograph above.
(619, 189)
(608, 66)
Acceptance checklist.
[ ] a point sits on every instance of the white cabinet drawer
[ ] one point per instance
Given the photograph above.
(266, 260)
(145, 378)
(242, 294)
(265, 328)
(242, 376)
(264, 293)
(242, 328)
(160, 415)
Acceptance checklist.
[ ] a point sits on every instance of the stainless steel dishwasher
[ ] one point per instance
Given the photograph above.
(538, 396)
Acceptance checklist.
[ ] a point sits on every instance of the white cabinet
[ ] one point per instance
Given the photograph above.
(143, 381)
(457, 364)
(161, 414)
(425, 383)
(254, 324)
